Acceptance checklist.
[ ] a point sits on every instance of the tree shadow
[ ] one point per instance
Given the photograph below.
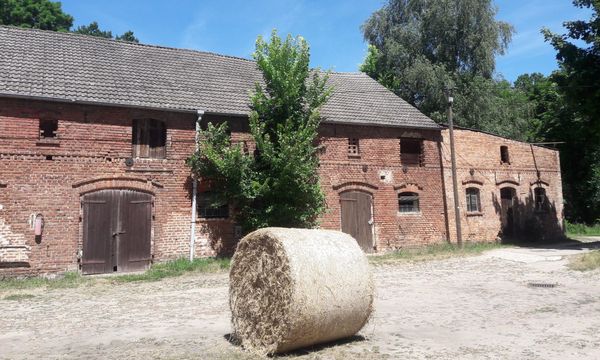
(306, 350)
(527, 223)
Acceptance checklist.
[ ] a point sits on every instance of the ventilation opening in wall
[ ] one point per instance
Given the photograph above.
(504, 156)
(48, 128)
(49, 157)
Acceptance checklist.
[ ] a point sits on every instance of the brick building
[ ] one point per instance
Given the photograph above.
(94, 134)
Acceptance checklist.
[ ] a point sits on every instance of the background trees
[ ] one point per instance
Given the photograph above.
(48, 15)
(278, 185)
(416, 47)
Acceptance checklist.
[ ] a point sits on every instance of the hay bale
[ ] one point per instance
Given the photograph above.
(291, 288)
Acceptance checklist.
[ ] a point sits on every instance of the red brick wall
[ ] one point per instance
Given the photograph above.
(380, 172)
(93, 143)
(530, 166)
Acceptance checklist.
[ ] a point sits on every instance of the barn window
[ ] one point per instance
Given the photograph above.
(411, 151)
(212, 206)
(504, 156)
(540, 199)
(149, 138)
(473, 200)
(48, 128)
(353, 147)
(408, 202)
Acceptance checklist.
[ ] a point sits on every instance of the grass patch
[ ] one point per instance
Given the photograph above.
(586, 262)
(582, 229)
(67, 280)
(157, 272)
(17, 297)
(176, 268)
(433, 252)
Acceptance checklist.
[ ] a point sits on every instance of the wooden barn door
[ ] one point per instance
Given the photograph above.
(135, 216)
(116, 231)
(356, 211)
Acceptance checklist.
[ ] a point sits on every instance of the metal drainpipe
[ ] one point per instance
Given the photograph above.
(195, 192)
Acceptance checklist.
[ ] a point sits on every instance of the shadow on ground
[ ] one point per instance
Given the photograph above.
(306, 350)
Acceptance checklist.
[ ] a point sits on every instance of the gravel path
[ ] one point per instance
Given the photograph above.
(465, 308)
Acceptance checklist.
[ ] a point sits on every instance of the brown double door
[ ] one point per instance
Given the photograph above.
(356, 209)
(116, 231)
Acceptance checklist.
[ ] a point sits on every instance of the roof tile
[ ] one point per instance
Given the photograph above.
(73, 67)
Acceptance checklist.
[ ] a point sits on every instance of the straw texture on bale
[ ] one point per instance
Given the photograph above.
(291, 288)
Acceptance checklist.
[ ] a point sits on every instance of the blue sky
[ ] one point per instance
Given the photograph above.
(331, 27)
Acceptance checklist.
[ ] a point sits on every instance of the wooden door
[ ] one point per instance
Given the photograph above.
(135, 217)
(116, 231)
(97, 232)
(356, 213)
(507, 215)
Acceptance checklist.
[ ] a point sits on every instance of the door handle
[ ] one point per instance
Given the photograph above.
(118, 233)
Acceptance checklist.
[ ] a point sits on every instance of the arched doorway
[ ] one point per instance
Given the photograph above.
(508, 214)
(357, 217)
(116, 231)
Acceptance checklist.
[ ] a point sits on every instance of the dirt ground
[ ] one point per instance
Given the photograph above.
(479, 307)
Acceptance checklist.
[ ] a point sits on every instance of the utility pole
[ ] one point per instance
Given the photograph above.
(453, 159)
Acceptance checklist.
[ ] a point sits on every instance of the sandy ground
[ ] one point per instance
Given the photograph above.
(464, 308)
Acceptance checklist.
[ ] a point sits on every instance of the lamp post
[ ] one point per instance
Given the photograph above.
(450, 98)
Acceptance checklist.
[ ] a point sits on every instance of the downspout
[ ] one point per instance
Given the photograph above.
(195, 181)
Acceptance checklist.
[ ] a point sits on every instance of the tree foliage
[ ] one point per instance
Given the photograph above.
(278, 185)
(48, 15)
(93, 29)
(418, 47)
(576, 122)
(38, 14)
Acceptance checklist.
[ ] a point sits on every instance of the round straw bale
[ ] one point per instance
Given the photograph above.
(291, 288)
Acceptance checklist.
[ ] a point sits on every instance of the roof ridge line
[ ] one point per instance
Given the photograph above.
(98, 38)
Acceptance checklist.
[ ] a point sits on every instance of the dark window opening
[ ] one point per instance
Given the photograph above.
(540, 199)
(212, 206)
(507, 193)
(149, 139)
(48, 129)
(408, 202)
(473, 200)
(411, 151)
(353, 147)
(504, 157)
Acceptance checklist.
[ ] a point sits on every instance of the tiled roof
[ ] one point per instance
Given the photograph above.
(79, 68)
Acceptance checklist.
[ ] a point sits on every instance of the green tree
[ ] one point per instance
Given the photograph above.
(418, 47)
(128, 36)
(278, 185)
(93, 29)
(578, 82)
(38, 14)
(48, 15)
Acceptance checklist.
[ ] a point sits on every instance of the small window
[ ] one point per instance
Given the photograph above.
(408, 202)
(149, 139)
(541, 200)
(212, 206)
(353, 147)
(473, 201)
(411, 151)
(48, 129)
(504, 157)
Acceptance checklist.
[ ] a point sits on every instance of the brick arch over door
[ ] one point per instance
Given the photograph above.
(117, 182)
